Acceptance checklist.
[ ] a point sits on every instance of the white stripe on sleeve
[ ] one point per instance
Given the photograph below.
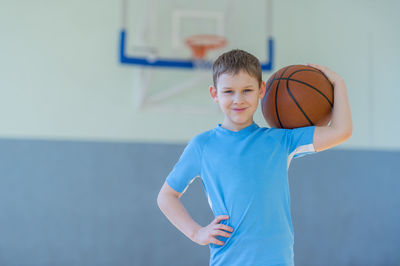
(299, 150)
(191, 181)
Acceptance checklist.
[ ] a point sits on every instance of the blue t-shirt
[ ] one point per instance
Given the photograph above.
(245, 176)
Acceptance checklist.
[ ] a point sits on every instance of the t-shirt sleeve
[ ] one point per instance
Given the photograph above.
(300, 141)
(187, 168)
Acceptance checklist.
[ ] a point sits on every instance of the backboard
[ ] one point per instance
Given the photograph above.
(153, 35)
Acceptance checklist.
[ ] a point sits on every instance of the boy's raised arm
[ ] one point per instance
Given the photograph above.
(341, 126)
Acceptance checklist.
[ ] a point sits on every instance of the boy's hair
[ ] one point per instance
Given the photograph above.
(233, 62)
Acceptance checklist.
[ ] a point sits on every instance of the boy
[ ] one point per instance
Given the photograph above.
(244, 169)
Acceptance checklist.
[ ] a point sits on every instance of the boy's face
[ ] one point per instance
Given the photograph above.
(238, 96)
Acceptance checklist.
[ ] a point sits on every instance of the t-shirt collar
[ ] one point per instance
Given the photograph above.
(243, 131)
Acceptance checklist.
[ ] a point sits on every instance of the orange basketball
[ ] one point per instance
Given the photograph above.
(298, 96)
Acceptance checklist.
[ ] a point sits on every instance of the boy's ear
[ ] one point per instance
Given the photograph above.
(262, 89)
(213, 93)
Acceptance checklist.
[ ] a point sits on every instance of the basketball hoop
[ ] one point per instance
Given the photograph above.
(200, 44)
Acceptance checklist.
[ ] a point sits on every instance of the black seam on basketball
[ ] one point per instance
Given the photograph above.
(316, 71)
(298, 105)
(312, 87)
(276, 98)
(301, 70)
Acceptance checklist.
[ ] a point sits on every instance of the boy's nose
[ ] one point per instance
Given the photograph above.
(238, 98)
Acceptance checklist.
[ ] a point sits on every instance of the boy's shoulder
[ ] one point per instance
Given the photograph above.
(202, 138)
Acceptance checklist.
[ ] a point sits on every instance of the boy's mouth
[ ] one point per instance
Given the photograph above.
(239, 109)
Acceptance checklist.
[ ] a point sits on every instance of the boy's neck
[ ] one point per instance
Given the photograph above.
(234, 126)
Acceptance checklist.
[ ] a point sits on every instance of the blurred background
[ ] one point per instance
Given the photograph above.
(88, 134)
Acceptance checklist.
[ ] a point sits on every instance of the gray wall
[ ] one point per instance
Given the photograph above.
(92, 203)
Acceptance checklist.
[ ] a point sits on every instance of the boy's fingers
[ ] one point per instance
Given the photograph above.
(217, 242)
(315, 66)
(225, 227)
(220, 218)
(224, 234)
(220, 233)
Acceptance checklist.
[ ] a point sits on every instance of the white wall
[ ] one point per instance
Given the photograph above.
(60, 77)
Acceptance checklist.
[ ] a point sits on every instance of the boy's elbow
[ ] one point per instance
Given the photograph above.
(160, 199)
(166, 194)
(348, 133)
(163, 197)
(345, 136)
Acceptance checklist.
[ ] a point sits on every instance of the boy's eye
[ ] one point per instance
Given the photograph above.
(246, 90)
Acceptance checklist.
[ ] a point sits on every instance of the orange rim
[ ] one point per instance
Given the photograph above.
(200, 44)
